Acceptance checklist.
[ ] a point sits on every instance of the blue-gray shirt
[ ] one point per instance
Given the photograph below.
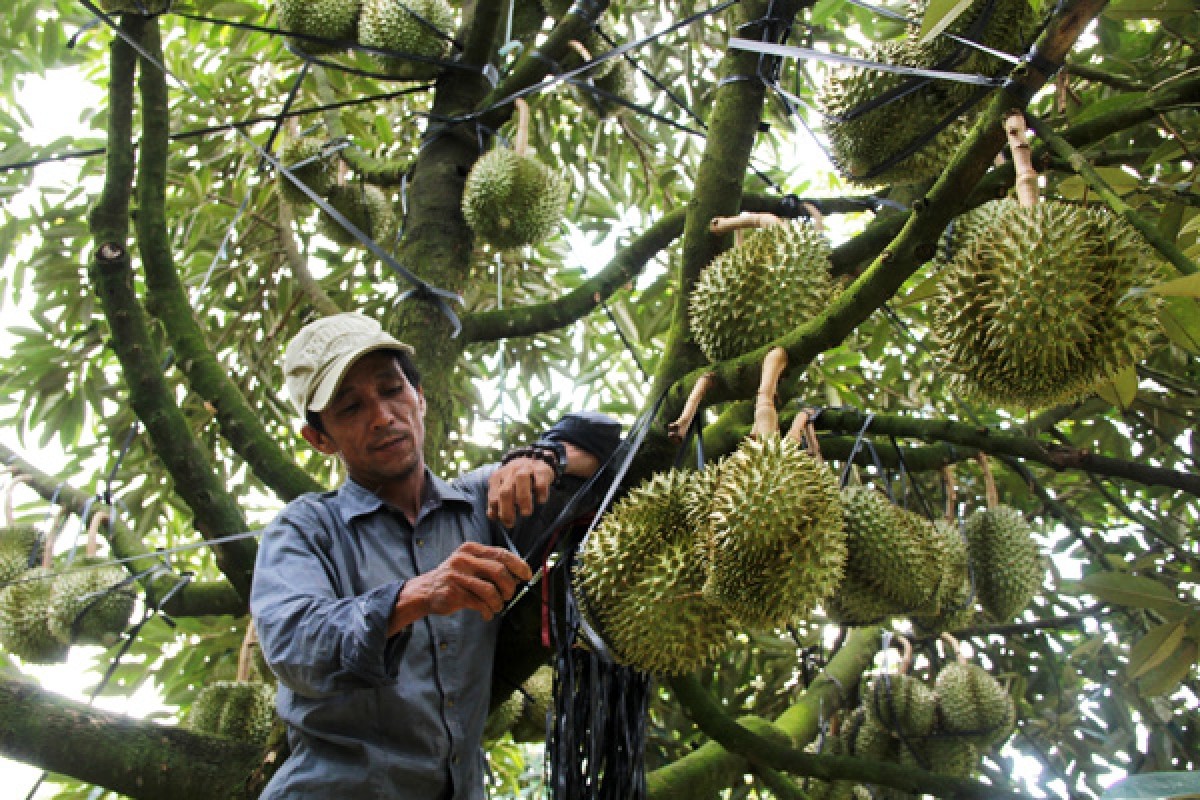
(370, 716)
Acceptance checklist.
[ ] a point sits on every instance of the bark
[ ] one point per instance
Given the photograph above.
(133, 757)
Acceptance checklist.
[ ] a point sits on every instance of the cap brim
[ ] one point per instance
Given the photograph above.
(338, 368)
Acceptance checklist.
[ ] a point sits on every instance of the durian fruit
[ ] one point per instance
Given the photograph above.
(91, 603)
(20, 549)
(537, 699)
(145, 7)
(863, 141)
(900, 703)
(364, 205)
(776, 279)
(413, 27)
(242, 710)
(973, 704)
(307, 159)
(617, 81)
(891, 549)
(638, 580)
(1004, 25)
(334, 20)
(503, 717)
(856, 603)
(511, 199)
(1034, 305)
(954, 593)
(943, 754)
(1008, 563)
(776, 543)
(24, 626)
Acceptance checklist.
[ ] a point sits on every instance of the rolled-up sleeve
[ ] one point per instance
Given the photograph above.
(319, 638)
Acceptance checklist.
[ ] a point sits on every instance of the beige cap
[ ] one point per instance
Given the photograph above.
(318, 357)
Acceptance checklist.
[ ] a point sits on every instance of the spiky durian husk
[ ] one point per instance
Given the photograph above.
(900, 703)
(856, 603)
(537, 698)
(942, 754)
(891, 549)
(862, 144)
(875, 742)
(305, 159)
(242, 710)
(617, 81)
(753, 293)
(327, 19)
(20, 549)
(1008, 563)
(1033, 307)
(24, 630)
(413, 27)
(776, 541)
(146, 7)
(953, 591)
(91, 603)
(638, 580)
(503, 717)
(973, 704)
(366, 206)
(511, 200)
(1004, 25)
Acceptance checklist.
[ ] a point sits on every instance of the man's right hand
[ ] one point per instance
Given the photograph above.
(476, 576)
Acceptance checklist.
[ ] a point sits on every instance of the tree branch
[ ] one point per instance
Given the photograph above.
(132, 757)
(111, 272)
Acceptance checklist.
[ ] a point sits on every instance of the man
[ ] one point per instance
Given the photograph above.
(376, 603)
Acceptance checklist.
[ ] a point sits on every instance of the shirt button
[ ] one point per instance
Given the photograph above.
(454, 760)
(449, 704)
(443, 646)
(420, 542)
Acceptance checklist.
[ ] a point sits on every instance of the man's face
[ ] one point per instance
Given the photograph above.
(375, 423)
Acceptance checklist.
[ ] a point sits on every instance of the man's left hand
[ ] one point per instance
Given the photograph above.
(517, 488)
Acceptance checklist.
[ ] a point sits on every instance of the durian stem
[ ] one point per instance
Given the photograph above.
(948, 480)
(906, 654)
(17, 479)
(48, 548)
(766, 418)
(1022, 155)
(747, 219)
(93, 533)
(991, 496)
(245, 659)
(521, 138)
(679, 428)
(954, 647)
(815, 216)
(804, 432)
(580, 48)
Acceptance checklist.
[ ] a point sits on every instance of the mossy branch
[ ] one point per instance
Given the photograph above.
(111, 272)
(710, 768)
(1063, 149)
(760, 750)
(134, 758)
(915, 243)
(167, 299)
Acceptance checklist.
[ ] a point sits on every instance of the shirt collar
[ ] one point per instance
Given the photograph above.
(355, 500)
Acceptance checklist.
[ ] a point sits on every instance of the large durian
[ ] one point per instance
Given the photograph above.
(776, 279)
(776, 541)
(364, 205)
(638, 581)
(537, 698)
(973, 704)
(864, 139)
(242, 710)
(900, 703)
(511, 200)
(413, 27)
(24, 626)
(20, 549)
(91, 603)
(894, 550)
(1034, 305)
(309, 160)
(331, 20)
(1007, 562)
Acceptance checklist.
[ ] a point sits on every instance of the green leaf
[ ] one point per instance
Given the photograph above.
(1131, 590)
(940, 15)
(1155, 647)
(1180, 318)
(1187, 286)
(1119, 389)
(1166, 677)
(1154, 785)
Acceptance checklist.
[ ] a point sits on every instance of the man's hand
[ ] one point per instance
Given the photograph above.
(516, 488)
(475, 576)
